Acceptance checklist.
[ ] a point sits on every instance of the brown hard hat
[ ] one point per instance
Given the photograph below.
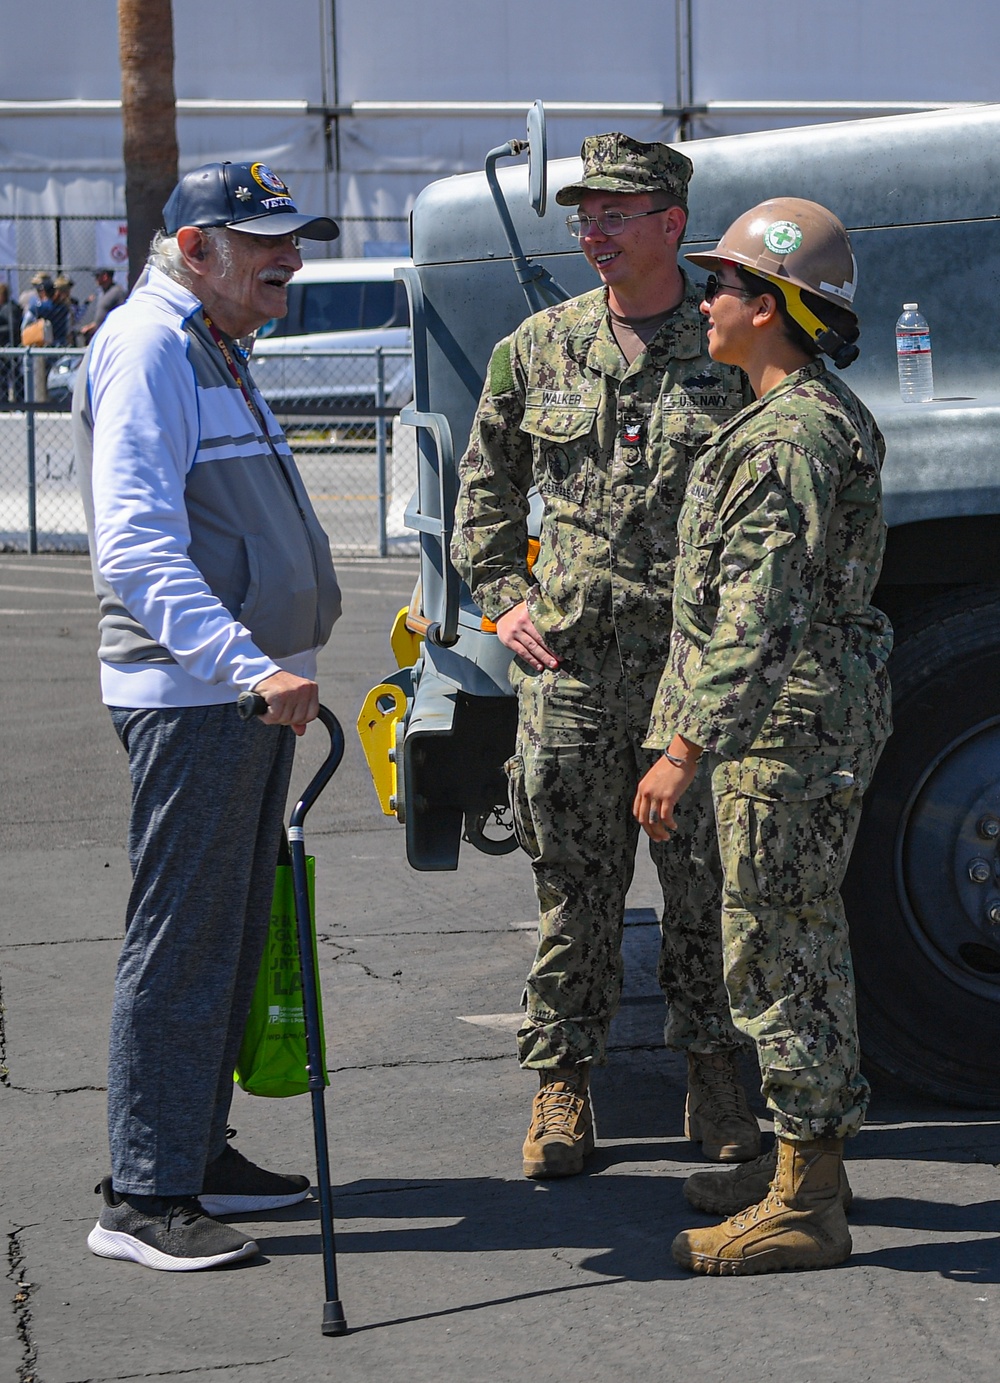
(791, 241)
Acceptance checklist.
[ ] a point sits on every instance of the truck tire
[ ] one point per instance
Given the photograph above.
(923, 889)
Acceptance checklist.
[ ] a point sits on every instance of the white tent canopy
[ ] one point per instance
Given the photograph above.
(358, 104)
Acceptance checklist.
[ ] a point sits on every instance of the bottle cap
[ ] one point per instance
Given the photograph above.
(910, 307)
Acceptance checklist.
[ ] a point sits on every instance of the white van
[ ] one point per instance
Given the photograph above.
(337, 305)
(333, 305)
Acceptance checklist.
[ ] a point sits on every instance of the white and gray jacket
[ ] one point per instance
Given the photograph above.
(211, 567)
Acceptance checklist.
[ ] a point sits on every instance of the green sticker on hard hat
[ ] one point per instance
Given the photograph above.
(782, 237)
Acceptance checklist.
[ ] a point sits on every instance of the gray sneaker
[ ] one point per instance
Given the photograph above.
(234, 1185)
(170, 1233)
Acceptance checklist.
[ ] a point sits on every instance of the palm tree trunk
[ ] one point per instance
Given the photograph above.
(149, 121)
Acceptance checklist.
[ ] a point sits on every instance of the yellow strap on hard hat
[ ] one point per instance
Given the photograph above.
(797, 309)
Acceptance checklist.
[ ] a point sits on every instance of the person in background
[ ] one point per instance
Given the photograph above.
(777, 692)
(62, 296)
(29, 298)
(110, 296)
(11, 385)
(43, 307)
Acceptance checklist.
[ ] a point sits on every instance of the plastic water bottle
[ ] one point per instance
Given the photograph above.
(913, 356)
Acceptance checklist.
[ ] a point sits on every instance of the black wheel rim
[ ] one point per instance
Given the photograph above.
(947, 860)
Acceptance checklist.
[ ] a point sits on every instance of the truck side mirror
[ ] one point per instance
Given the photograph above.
(537, 158)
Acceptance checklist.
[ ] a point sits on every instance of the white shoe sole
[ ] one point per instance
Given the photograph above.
(244, 1205)
(112, 1243)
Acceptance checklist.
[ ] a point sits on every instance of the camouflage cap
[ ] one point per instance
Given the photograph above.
(619, 163)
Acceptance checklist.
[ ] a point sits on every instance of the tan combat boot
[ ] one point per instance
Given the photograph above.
(800, 1223)
(716, 1113)
(561, 1133)
(729, 1192)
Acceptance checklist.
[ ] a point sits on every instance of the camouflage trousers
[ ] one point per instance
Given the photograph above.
(578, 761)
(787, 821)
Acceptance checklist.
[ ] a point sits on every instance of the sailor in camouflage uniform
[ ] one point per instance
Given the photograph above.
(601, 402)
(777, 673)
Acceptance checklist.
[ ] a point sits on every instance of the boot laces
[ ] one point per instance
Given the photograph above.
(557, 1109)
(771, 1202)
(718, 1077)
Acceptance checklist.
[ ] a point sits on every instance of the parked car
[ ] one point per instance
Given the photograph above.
(61, 378)
(339, 305)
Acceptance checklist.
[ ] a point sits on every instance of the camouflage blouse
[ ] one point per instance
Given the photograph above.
(609, 447)
(775, 640)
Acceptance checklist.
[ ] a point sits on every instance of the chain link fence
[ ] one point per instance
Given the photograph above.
(339, 410)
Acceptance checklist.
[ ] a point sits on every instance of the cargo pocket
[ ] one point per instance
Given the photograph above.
(797, 821)
(520, 808)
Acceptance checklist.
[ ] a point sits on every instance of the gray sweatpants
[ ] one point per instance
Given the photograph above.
(208, 800)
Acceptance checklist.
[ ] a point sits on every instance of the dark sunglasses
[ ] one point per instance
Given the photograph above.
(714, 286)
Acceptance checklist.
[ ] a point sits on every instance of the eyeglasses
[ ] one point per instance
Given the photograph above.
(271, 242)
(714, 286)
(611, 223)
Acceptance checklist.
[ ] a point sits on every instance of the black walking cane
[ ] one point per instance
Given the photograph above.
(251, 704)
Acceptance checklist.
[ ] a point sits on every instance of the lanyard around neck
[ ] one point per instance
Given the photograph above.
(234, 370)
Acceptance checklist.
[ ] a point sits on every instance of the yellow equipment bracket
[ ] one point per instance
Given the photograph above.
(404, 642)
(384, 707)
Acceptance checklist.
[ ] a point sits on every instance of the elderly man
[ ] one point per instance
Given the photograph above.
(602, 403)
(214, 577)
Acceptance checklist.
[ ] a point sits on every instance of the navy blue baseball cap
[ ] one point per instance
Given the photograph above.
(243, 197)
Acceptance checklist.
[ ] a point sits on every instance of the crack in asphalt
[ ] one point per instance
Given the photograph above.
(201, 1371)
(60, 941)
(62, 1090)
(4, 1072)
(343, 957)
(16, 1274)
(472, 1060)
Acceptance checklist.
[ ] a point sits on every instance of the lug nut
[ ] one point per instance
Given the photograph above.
(993, 913)
(989, 828)
(979, 871)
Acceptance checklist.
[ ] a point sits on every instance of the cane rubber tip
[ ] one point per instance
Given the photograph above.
(333, 1319)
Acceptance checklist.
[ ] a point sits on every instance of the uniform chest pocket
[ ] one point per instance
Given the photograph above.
(563, 441)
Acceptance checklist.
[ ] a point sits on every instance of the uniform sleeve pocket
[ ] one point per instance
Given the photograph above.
(698, 548)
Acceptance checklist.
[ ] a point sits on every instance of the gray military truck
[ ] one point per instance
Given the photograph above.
(919, 195)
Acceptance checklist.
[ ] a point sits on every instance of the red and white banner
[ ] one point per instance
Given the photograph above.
(111, 248)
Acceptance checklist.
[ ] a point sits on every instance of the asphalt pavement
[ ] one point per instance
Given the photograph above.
(452, 1265)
